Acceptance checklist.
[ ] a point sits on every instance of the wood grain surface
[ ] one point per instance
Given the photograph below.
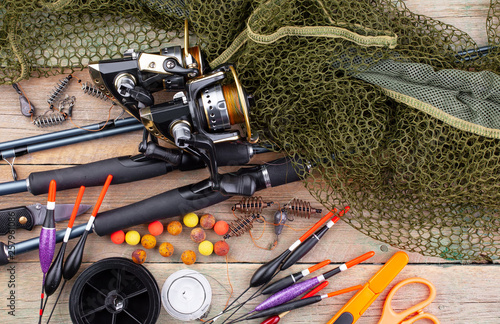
(466, 293)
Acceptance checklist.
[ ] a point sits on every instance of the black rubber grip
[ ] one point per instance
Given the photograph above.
(345, 318)
(186, 199)
(168, 204)
(124, 169)
(9, 219)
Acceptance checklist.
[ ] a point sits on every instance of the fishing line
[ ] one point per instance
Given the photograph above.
(94, 130)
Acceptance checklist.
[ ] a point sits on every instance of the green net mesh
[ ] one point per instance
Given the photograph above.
(413, 179)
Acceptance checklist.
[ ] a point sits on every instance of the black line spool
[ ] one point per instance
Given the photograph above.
(115, 290)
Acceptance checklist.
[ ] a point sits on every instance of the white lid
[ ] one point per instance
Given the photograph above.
(186, 295)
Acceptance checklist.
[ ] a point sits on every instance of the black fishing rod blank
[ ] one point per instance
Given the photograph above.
(32, 148)
(172, 203)
(15, 144)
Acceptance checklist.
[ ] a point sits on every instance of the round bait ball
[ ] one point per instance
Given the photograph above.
(139, 256)
(207, 221)
(155, 228)
(188, 257)
(221, 227)
(148, 241)
(190, 220)
(118, 237)
(166, 249)
(206, 247)
(132, 237)
(174, 228)
(198, 235)
(221, 248)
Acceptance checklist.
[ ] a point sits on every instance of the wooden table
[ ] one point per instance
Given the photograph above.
(466, 293)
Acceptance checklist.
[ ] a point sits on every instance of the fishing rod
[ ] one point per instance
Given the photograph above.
(126, 169)
(22, 146)
(473, 54)
(176, 202)
(32, 148)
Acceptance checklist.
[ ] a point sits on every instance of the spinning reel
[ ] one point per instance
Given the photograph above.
(206, 109)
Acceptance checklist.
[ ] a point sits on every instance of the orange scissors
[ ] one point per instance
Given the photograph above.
(389, 316)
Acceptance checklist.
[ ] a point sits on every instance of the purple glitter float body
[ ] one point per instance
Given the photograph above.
(48, 241)
(287, 294)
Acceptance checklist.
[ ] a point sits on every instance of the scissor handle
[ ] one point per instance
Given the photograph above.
(422, 316)
(389, 316)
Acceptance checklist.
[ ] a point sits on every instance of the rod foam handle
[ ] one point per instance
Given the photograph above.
(168, 204)
(124, 169)
(180, 201)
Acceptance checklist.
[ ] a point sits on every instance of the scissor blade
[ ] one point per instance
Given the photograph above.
(61, 212)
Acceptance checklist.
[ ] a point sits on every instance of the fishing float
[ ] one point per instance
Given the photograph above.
(296, 304)
(74, 259)
(54, 275)
(295, 252)
(265, 273)
(47, 240)
(291, 292)
(276, 318)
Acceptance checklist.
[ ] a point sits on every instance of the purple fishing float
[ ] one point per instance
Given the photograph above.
(47, 238)
(297, 289)
(289, 293)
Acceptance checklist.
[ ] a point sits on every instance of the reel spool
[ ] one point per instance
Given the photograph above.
(186, 295)
(115, 290)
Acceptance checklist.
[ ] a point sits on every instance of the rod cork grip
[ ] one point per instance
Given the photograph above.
(124, 169)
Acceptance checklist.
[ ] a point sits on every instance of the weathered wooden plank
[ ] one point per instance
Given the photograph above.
(468, 16)
(466, 293)
(463, 292)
